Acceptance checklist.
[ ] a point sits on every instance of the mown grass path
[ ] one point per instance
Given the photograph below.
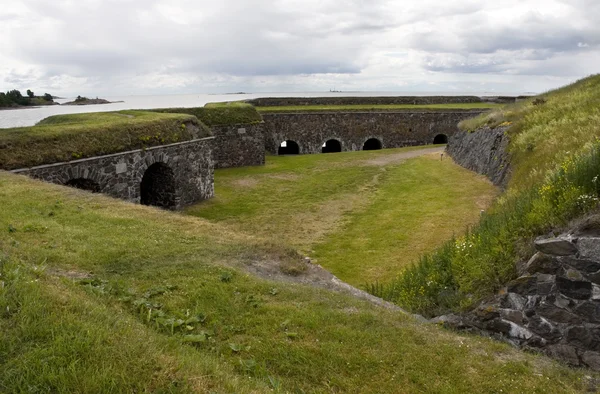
(362, 215)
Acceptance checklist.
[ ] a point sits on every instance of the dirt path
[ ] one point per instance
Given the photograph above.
(401, 156)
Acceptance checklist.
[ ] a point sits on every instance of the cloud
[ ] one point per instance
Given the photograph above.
(140, 46)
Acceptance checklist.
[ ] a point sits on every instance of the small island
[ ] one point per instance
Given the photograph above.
(14, 99)
(87, 101)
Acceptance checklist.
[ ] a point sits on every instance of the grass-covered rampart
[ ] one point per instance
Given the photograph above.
(220, 114)
(68, 137)
(376, 107)
(556, 166)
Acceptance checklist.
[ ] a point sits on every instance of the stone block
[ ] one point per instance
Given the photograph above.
(556, 246)
(525, 285)
(552, 312)
(564, 352)
(592, 360)
(584, 337)
(512, 315)
(589, 248)
(583, 265)
(590, 310)
(543, 263)
(544, 328)
(579, 290)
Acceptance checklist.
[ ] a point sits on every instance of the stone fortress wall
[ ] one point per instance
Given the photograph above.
(176, 175)
(390, 129)
(170, 176)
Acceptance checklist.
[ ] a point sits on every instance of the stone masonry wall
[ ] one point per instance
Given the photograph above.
(394, 129)
(484, 151)
(238, 145)
(554, 306)
(120, 175)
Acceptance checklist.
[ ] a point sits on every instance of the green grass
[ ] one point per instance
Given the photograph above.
(220, 114)
(355, 212)
(555, 158)
(375, 107)
(119, 330)
(67, 137)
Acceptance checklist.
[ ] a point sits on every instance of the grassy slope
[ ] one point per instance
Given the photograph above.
(555, 158)
(355, 212)
(64, 335)
(220, 114)
(381, 107)
(545, 134)
(67, 137)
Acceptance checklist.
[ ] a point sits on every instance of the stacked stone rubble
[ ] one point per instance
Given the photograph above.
(554, 306)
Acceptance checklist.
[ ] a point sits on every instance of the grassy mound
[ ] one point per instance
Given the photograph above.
(556, 160)
(101, 295)
(68, 137)
(220, 114)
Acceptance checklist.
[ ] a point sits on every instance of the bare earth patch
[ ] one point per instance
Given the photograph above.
(249, 183)
(401, 156)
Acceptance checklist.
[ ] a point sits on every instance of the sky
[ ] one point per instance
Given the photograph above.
(134, 47)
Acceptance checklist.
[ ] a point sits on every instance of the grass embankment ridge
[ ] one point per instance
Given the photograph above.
(546, 129)
(220, 114)
(101, 295)
(69, 137)
(375, 107)
(556, 164)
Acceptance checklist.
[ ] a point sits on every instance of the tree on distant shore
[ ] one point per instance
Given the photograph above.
(14, 98)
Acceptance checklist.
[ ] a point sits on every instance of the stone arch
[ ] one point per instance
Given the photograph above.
(331, 146)
(288, 147)
(440, 139)
(158, 186)
(84, 184)
(372, 144)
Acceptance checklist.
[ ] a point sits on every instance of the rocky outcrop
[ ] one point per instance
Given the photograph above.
(554, 306)
(483, 151)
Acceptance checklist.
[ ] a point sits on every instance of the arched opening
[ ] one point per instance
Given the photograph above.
(372, 144)
(331, 146)
(440, 139)
(84, 184)
(288, 147)
(158, 186)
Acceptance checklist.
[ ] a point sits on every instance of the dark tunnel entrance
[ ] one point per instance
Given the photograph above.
(440, 139)
(372, 144)
(84, 184)
(288, 147)
(331, 146)
(158, 186)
